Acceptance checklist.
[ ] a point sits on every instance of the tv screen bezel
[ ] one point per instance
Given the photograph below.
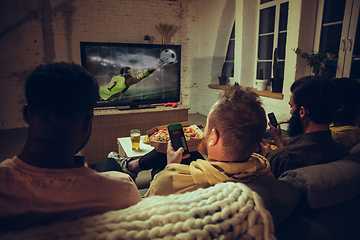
(135, 103)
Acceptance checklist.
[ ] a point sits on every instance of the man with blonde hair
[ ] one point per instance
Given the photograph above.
(235, 126)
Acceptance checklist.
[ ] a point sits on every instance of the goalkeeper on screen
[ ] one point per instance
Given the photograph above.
(119, 84)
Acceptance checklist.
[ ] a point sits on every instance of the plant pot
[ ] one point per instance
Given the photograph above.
(231, 81)
(222, 80)
(277, 85)
(261, 84)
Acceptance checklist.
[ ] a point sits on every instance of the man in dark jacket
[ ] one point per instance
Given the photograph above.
(314, 102)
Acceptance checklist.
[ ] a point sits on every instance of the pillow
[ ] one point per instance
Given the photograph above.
(327, 184)
(224, 211)
(280, 198)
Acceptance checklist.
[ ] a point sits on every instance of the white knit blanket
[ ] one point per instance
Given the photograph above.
(224, 211)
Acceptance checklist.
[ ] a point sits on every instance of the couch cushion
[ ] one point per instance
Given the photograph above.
(340, 221)
(355, 149)
(280, 197)
(327, 184)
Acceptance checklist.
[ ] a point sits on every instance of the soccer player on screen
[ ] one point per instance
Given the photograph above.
(119, 84)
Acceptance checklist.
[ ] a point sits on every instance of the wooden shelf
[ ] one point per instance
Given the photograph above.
(266, 93)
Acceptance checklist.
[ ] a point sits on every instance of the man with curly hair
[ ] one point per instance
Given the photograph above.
(43, 183)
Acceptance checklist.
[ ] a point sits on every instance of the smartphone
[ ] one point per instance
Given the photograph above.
(272, 119)
(258, 149)
(177, 137)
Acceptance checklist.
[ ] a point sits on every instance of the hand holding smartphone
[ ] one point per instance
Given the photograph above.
(272, 119)
(177, 137)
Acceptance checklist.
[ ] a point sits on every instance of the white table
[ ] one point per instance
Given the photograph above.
(125, 149)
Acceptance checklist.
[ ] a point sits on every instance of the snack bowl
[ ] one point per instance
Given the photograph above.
(145, 139)
(162, 146)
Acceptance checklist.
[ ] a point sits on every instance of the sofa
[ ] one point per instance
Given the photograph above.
(329, 200)
(314, 202)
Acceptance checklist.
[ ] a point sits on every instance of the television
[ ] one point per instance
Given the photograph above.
(107, 61)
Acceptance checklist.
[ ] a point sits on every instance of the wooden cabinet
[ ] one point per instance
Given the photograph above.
(111, 123)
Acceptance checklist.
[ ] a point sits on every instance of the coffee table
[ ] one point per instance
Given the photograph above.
(124, 146)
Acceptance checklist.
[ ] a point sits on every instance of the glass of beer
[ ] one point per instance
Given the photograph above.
(135, 139)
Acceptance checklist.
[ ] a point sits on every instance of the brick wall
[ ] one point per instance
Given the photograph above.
(37, 31)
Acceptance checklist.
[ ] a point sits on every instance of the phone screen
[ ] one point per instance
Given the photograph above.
(272, 119)
(258, 149)
(177, 137)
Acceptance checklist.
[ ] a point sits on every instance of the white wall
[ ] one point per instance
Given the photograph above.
(217, 18)
(300, 32)
(246, 29)
(202, 27)
(33, 32)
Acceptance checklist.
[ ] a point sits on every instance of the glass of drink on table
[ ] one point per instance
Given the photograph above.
(135, 139)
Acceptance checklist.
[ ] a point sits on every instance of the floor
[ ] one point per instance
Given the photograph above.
(13, 140)
(197, 119)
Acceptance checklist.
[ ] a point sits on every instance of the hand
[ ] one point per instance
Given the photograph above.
(275, 133)
(265, 147)
(172, 156)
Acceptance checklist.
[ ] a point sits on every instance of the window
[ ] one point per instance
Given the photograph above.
(338, 33)
(228, 68)
(265, 1)
(273, 20)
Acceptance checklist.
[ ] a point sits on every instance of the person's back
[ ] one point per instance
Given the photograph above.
(235, 126)
(43, 183)
(34, 195)
(314, 102)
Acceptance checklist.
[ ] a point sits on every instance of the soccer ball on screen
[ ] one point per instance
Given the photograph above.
(168, 56)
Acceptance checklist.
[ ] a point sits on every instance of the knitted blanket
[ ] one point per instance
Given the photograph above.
(224, 211)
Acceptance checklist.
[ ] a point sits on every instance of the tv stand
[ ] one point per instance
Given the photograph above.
(132, 107)
(110, 124)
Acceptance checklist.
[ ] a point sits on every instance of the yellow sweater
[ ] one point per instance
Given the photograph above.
(348, 136)
(180, 178)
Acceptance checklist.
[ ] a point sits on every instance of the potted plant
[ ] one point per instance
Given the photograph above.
(223, 78)
(315, 60)
(276, 81)
(260, 82)
(164, 30)
(260, 73)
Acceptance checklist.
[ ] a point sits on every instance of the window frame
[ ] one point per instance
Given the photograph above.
(276, 33)
(349, 25)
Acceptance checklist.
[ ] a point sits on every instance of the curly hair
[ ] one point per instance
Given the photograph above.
(240, 120)
(61, 89)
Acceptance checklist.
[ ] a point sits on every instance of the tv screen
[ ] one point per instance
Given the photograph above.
(133, 74)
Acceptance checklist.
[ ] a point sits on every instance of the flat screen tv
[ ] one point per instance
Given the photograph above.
(110, 62)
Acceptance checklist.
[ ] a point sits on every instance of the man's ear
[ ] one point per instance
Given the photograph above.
(214, 137)
(25, 114)
(303, 112)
